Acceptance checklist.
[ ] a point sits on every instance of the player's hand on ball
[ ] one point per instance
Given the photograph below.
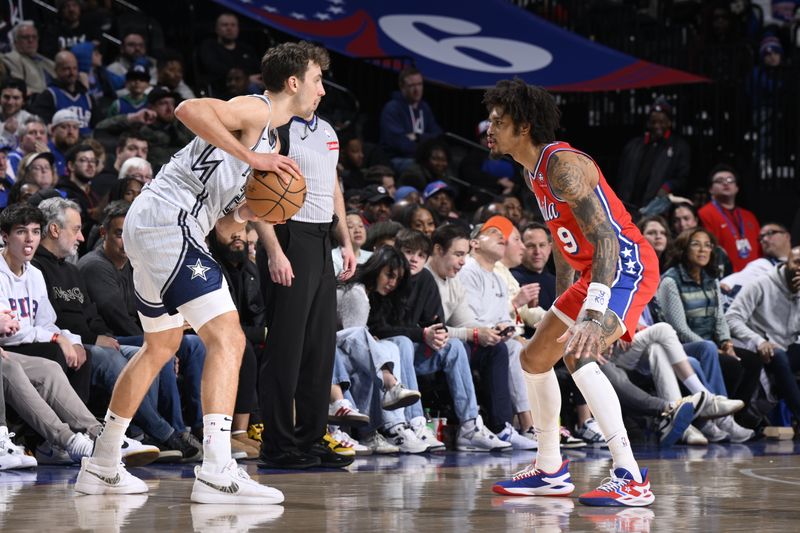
(283, 166)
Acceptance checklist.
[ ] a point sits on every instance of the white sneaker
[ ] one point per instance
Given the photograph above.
(13, 456)
(717, 406)
(232, 485)
(737, 433)
(343, 412)
(398, 397)
(52, 454)
(713, 433)
(530, 434)
(591, 433)
(404, 437)
(79, 446)
(96, 479)
(346, 440)
(424, 433)
(379, 445)
(478, 438)
(517, 441)
(134, 453)
(693, 437)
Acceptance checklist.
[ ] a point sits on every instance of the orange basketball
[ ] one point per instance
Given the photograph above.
(271, 199)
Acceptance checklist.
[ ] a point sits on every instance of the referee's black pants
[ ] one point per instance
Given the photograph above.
(301, 340)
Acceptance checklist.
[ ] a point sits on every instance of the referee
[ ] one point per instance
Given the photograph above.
(300, 294)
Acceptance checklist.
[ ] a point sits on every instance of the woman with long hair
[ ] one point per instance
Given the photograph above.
(691, 302)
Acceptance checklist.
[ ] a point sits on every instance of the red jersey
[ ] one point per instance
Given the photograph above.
(731, 228)
(567, 234)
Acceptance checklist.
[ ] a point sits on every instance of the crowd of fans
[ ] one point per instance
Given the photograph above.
(454, 273)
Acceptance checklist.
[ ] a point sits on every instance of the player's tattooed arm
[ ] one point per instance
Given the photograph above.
(574, 177)
(565, 274)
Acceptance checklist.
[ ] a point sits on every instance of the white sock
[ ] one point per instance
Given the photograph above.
(216, 442)
(694, 384)
(545, 399)
(604, 403)
(108, 446)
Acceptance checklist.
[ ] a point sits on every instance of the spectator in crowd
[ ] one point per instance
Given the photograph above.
(538, 247)
(32, 138)
(656, 163)
(362, 352)
(513, 208)
(776, 245)
(237, 83)
(137, 82)
(218, 54)
(126, 189)
(407, 120)
(381, 234)
(437, 351)
(38, 168)
(358, 236)
(432, 164)
(408, 194)
(65, 134)
(496, 176)
(654, 229)
(487, 295)
(25, 62)
(23, 286)
(136, 168)
(381, 175)
(489, 354)
(68, 29)
(129, 144)
(487, 211)
(166, 134)
(13, 94)
(101, 84)
(229, 249)
(691, 302)
(377, 205)
(417, 217)
(734, 228)
(765, 318)
(439, 198)
(82, 167)
(133, 51)
(169, 74)
(351, 163)
(523, 300)
(21, 192)
(65, 92)
(683, 216)
(768, 91)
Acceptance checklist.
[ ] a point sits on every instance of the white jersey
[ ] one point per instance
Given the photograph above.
(206, 182)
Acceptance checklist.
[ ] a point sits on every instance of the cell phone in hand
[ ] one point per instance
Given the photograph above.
(506, 331)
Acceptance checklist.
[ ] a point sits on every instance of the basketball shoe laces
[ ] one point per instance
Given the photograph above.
(613, 484)
(528, 471)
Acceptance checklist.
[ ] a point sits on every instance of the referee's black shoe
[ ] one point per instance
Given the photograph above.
(288, 460)
(329, 458)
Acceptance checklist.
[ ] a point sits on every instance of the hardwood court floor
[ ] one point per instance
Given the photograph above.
(754, 487)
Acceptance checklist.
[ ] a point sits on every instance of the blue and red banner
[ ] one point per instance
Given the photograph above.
(462, 43)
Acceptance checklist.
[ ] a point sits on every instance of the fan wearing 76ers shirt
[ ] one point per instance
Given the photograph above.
(618, 270)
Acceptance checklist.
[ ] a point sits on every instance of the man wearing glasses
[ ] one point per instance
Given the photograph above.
(81, 170)
(736, 229)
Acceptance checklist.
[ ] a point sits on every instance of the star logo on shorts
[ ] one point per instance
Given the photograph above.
(198, 270)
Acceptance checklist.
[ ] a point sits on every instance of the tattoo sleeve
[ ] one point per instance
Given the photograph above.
(573, 177)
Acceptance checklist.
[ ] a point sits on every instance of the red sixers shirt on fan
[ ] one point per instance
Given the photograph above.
(636, 278)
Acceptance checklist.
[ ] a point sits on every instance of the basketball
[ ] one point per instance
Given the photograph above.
(271, 199)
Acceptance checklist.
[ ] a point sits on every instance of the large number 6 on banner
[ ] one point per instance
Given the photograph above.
(566, 237)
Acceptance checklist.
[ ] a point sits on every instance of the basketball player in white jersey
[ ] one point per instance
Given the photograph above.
(176, 279)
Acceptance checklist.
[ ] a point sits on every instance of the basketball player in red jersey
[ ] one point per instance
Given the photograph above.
(618, 276)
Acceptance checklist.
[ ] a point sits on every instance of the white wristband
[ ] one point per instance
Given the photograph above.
(237, 218)
(597, 298)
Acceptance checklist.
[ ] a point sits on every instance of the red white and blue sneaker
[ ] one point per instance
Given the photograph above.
(621, 490)
(534, 482)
